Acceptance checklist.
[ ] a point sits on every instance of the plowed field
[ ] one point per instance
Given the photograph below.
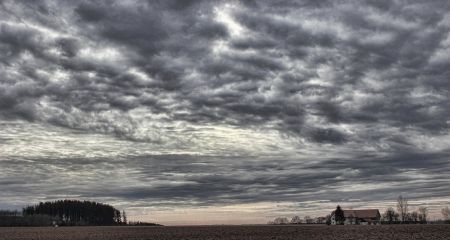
(388, 232)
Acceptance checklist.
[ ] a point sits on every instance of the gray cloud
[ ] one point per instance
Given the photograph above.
(166, 52)
(213, 180)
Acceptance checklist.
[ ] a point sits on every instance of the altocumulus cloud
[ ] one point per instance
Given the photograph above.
(194, 104)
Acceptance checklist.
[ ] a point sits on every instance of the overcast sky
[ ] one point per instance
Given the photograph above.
(191, 112)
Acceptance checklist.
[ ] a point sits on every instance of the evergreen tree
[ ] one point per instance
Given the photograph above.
(339, 215)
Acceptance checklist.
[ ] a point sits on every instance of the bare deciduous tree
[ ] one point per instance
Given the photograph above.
(390, 215)
(308, 220)
(328, 219)
(446, 213)
(414, 216)
(296, 220)
(280, 220)
(320, 220)
(402, 207)
(423, 214)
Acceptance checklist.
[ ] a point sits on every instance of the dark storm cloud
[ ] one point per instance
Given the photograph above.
(91, 12)
(167, 41)
(343, 76)
(327, 135)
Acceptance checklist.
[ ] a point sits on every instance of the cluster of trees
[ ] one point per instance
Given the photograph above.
(27, 221)
(297, 220)
(64, 213)
(8, 213)
(400, 215)
(403, 215)
(16, 219)
(74, 212)
(67, 213)
(139, 223)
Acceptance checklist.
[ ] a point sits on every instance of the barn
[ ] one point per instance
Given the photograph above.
(362, 217)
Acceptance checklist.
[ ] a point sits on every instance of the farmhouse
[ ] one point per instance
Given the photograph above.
(363, 217)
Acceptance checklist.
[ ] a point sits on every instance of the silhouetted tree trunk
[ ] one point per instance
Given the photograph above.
(402, 207)
(124, 216)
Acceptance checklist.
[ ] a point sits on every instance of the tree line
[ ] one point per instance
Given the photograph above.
(297, 220)
(64, 213)
(400, 215)
(9, 213)
(74, 212)
(403, 215)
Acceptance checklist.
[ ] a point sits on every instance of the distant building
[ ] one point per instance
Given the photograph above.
(363, 217)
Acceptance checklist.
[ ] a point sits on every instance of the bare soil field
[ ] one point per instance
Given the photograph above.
(429, 232)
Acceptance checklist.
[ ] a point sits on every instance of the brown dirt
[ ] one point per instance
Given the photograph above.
(391, 232)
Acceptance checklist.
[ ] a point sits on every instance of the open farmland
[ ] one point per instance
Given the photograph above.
(390, 232)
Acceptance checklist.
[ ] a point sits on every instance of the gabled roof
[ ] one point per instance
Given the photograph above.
(363, 213)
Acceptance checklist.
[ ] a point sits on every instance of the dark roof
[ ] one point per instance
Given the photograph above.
(363, 213)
